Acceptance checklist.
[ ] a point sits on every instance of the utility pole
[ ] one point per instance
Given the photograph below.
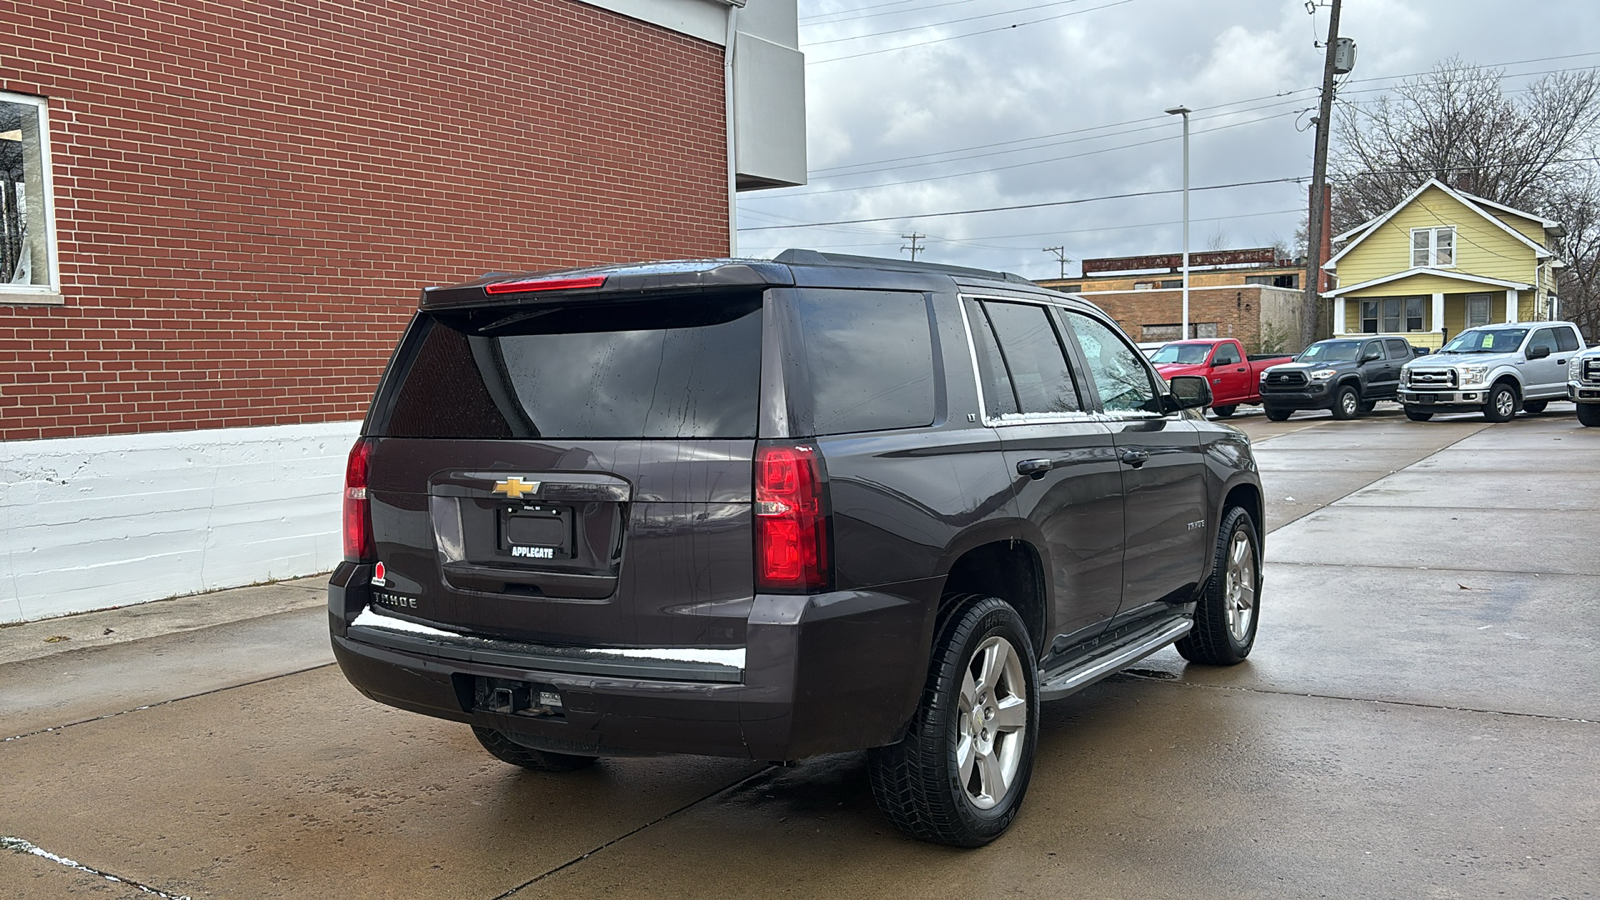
(913, 238)
(1184, 111)
(1061, 255)
(1319, 180)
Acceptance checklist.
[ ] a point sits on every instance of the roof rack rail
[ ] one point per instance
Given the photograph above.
(798, 257)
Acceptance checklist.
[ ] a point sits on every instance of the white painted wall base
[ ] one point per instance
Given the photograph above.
(91, 523)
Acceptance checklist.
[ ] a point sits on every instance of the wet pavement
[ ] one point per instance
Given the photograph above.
(1419, 719)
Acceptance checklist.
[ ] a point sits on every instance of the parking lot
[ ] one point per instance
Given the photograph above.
(1419, 719)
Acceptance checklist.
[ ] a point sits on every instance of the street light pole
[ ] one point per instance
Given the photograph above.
(1184, 111)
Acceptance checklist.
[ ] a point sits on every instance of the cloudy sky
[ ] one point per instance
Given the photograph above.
(922, 107)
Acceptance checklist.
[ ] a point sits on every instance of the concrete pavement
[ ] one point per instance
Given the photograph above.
(1418, 720)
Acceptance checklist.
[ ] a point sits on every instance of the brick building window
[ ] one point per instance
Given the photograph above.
(28, 270)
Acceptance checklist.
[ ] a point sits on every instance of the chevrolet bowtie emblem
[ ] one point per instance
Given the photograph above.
(515, 488)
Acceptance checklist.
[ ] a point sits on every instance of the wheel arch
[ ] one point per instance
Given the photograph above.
(1010, 568)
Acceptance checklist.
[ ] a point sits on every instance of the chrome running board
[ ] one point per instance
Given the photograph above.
(1055, 685)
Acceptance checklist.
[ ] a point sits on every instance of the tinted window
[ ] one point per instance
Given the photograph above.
(868, 358)
(1566, 340)
(1226, 356)
(1329, 351)
(660, 369)
(1398, 349)
(1033, 358)
(1124, 383)
(998, 398)
(1544, 337)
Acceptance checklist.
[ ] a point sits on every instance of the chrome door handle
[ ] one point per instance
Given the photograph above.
(1135, 458)
(1035, 468)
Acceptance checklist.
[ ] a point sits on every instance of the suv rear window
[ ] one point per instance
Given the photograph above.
(666, 368)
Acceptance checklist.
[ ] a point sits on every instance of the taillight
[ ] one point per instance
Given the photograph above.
(524, 285)
(791, 520)
(358, 543)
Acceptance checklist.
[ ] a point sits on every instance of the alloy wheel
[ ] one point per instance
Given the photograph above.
(1239, 588)
(991, 722)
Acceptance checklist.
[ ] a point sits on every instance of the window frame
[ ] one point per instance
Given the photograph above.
(1068, 346)
(48, 294)
(1432, 249)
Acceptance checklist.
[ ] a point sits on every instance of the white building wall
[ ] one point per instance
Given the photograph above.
(91, 523)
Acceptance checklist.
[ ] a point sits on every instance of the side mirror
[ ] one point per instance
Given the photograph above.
(1539, 352)
(1189, 392)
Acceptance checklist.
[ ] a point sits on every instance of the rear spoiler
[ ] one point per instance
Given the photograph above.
(608, 282)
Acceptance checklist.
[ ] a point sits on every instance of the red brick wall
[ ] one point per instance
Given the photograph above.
(249, 200)
(1235, 310)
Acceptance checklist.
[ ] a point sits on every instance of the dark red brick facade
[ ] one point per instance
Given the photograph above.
(248, 197)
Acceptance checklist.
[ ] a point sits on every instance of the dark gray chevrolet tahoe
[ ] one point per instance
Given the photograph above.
(772, 509)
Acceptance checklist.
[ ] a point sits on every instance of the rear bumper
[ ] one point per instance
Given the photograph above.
(819, 673)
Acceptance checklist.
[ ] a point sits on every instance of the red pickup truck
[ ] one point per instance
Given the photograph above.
(1234, 375)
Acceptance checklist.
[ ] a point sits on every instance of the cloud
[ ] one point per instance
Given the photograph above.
(1072, 108)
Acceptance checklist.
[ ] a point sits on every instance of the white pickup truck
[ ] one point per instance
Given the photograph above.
(1583, 385)
(1498, 369)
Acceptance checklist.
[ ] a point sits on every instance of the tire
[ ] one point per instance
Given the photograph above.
(1347, 403)
(1502, 403)
(1589, 414)
(1417, 415)
(507, 750)
(1534, 407)
(1278, 415)
(1225, 618)
(952, 780)
(1224, 411)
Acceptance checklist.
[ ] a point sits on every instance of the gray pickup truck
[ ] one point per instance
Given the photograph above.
(1583, 385)
(1497, 369)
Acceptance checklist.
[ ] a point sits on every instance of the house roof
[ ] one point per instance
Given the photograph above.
(1424, 270)
(1467, 200)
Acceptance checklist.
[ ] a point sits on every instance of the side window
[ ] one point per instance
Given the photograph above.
(1371, 350)
(1566, 340)
(1544, 337)
(1123, 381)
(869, 360)
(1032, 355)
(1227, 355)
(998, 397)
(1398, 349)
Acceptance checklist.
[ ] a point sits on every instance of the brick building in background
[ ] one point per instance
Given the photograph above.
(1252, 295)
(219, 216)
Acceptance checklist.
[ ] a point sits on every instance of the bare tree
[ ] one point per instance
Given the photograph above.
(1534, 150)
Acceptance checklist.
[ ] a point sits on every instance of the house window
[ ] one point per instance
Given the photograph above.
(1414, 313)
(28, 271)
(1369, 317)
(1477, 310)
(1433, 247)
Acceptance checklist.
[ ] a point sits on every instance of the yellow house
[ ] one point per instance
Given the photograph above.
(1443, 261)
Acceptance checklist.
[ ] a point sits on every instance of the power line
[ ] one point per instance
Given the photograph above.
(964, 212)
(1295, 179)
(872, 6)
(807, 21)
(1282, 94)
(1035, 162)
(1009, 12)
(818, 62)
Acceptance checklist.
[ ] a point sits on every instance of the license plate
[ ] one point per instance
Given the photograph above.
(536, 532)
